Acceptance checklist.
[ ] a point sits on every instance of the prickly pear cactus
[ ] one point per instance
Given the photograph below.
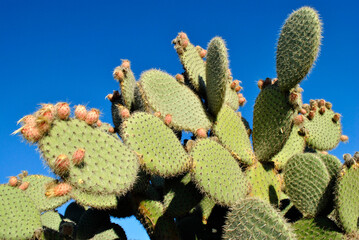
(179, 155)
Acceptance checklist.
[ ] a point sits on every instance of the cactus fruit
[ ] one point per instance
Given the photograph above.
(208, 183)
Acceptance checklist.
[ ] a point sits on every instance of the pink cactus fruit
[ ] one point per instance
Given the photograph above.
(336, 117)
(111, 130)
(344, 138)
(157, 114)
(298, 120)
(109, 97)
(233, 85)
(203, 53)
(13, 181)
(78, 156)
(180, 78)
(62, 189)
(62, 110)
(260, 84)
(321, 103)
(168, 119)
(238, 88)
(125, 64)
(118, 74)
(125, 113)
(311, 115)
(241, 100)
(80, 112)
(47, 112)
(62, 164)
(92, 116)
(303, 111)
(31, 133)
(201, 133)
(24, 185)
(182, 35)
(99, 123)
(43, 125)
(322, 109)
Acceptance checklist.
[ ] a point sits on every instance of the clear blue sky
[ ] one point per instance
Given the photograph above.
(54, 51)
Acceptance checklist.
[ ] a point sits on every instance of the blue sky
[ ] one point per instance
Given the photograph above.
(54, 51)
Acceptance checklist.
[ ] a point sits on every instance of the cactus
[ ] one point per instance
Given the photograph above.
(179, 156)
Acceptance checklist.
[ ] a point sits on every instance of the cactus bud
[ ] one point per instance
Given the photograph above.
(322, 110)
(62, 164)
(311, 115)
(80, 112)
(109, 97)
(241, 101)
(321, 103)
(260, 84)
(328, 105)
(57, 190)
(336, 117)
(180, 78)
(344, 138)
(13, 181)
(23, 186)
(168, 119)
(189, 145)
(99, 123)
(78, 156)
(157, 114)
(92, 116)
(238, 88)
(118, 74)
(125, 113)
(298, 120)
(125, 64)
(233, 85)
(184, 43)
(182, 35)
(201, 133)
(303, 111)
(31, 133)
(111, 130)
(267, 82)
(63, 110)
(203, 53)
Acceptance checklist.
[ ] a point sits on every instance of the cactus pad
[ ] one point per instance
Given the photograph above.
(306, 180)
(51, 219)
(164, 94)
(231, 131)
(323, 132)
(19, 217)
(295, 144)
(256, 219)
(320, 228)
(272, 122)
(160, 150)
(37, 189)
(347, 195)
(298, 47)
(264, 182)
(227, 184)
(109, 166)
(95, 200)
(216, 74)
(127, 84)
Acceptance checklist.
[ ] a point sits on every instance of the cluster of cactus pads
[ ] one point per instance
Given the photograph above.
(208, 183)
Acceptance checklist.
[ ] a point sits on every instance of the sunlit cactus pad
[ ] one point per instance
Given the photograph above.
(272, 122)
(37, 192)
(165, 95)
(323, 132)
(347, 195)
(210, 161)
(298, 47)
(51, 219)
(19, 216)
(256, 219)
(160, 151)
(93, 199)
(109, 166)
(230, 130)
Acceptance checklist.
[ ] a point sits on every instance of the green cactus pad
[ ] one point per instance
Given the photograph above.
(109, 166)
(51, 219)
(264, 182)
(194, 66)
(37, 189)
(347, 197)
(231, 97)
(323, 132)
(216, 74)
(272, 122)
(256, 219)
(164, 94)
(148, 212)
(181, 197)
(217, 173)
(298, 47)
(161, 152)
(205, 207)
(320, 228)
(127, 84)
(306, 181)
(19, 217)
(95, 200)
(295, 144)
(332, 163)
(230, 130)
